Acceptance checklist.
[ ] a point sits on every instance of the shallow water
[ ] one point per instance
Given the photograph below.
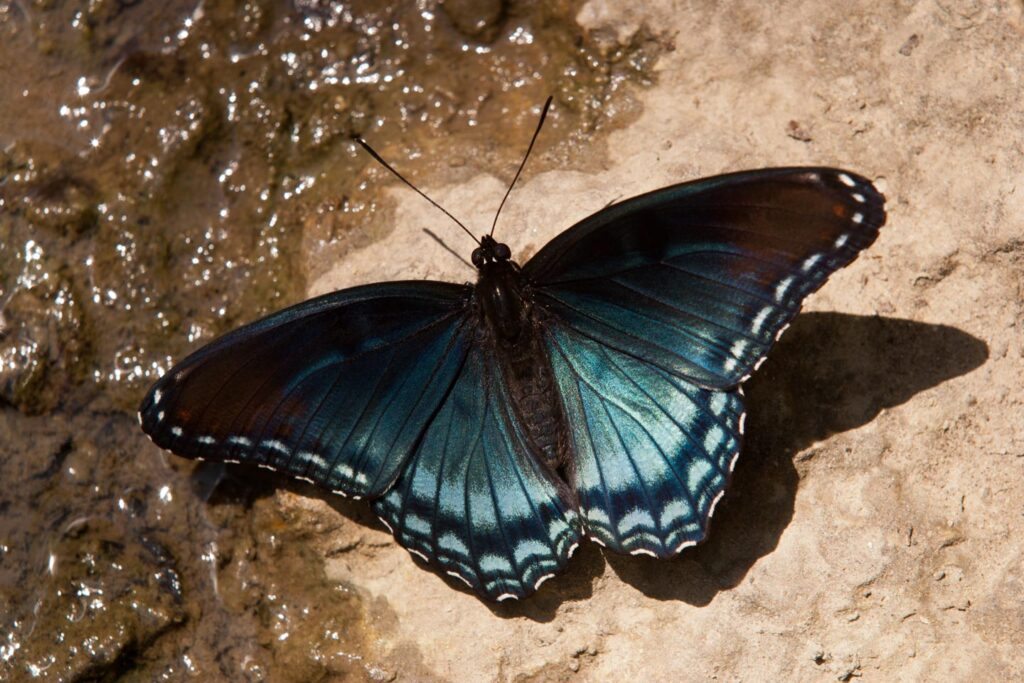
(169, 170)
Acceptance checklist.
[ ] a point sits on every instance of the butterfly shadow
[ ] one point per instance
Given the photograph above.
(831, 372)
(240, 485)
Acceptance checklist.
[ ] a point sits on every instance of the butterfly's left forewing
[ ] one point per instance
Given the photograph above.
(699, 278)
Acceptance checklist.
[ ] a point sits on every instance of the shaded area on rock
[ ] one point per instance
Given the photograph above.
(831, 372)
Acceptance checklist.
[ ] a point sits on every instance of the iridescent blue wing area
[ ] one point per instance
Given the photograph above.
(699, 278)
(473, 500)
(657, 308)
(336, 390)
(653, 452)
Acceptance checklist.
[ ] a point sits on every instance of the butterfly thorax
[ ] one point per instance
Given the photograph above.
(514, 330)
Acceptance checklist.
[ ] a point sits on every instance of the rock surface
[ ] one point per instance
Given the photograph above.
(875, 525)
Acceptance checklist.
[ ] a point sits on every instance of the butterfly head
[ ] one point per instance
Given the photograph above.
(490, 251)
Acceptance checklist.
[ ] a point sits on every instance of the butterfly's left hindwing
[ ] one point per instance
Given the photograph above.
(653, 452)
(474, 500)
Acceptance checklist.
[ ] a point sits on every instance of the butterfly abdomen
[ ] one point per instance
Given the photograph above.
(530, 378)
(525, 366)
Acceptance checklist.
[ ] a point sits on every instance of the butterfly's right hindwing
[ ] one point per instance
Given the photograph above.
(474, 500)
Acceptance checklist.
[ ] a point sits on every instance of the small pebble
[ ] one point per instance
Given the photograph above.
(908, 46)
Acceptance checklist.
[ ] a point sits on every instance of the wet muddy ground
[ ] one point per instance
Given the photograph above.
(169, 170)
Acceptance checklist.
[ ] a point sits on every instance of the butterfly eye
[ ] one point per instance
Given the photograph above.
(478, 258)
(502, 252)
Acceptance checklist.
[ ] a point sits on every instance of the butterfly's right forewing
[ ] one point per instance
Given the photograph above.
(336, 390)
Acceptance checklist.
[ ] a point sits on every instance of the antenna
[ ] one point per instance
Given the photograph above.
(451, 251)
(540, 124)
(386, 165)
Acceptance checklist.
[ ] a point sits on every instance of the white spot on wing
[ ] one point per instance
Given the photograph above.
(810, 262)
(684, 545)
(453, 544)
(528, 549)
(418, 554)
(541, 580)
(506, 596)
(739, 347)
(573, 548)
(846, 180)
(743, 421)
(598, 516)
(843, 239)
(157, 395)
(858, 196)
(760, 319)
(239, 441)
(206, 439)
(858, 218)
(385, 523)
(714, 503)
(275, 445)
(643, 551)
(313, 458)
(460, 577)
(780, 291)
(176, 431)
(698, 472)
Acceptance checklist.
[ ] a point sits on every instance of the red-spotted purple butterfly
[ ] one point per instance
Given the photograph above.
(593, 391)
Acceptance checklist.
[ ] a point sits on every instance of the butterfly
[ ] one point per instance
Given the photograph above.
(594, 391)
